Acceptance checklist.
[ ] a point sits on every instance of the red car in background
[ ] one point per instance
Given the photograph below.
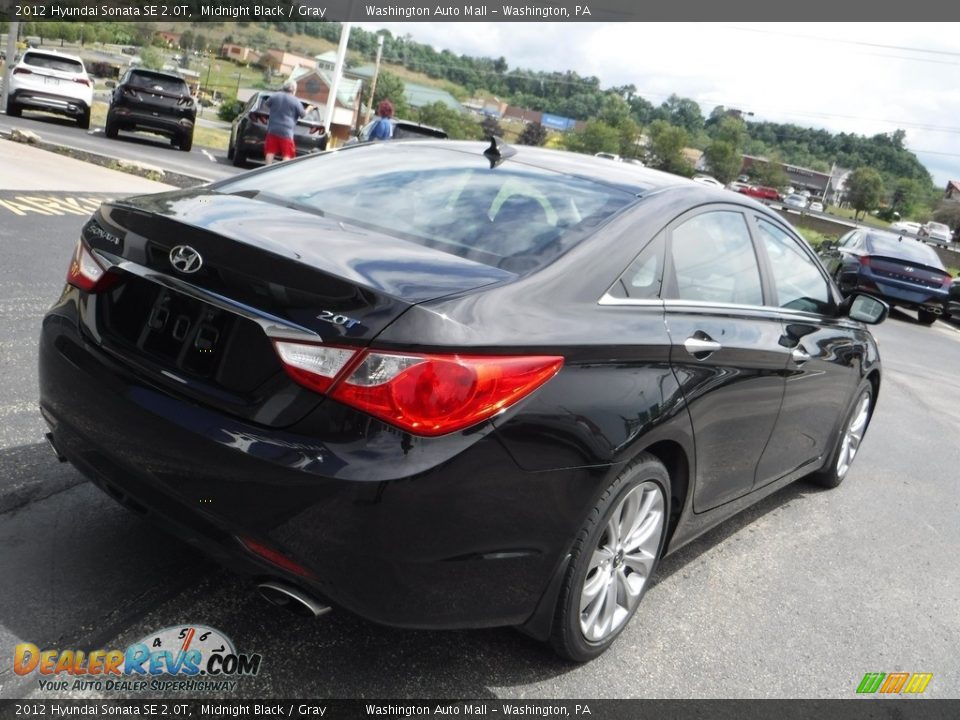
(761, 192)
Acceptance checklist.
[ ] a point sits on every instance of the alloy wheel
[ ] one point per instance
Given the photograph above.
(853, 436)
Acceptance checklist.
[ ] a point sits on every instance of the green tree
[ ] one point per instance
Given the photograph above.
(491, 126)
(595, 137)
(389, 87)
(151, 58)
(629, 139)
(724, 160)
(533, 134)
(771, 173)
(458, 125)
(948, 212)
(666, 148)
(864, 189)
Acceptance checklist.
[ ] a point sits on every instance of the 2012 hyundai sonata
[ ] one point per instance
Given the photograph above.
(452, 384)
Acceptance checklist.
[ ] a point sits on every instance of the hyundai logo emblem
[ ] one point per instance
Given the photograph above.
(185, 259)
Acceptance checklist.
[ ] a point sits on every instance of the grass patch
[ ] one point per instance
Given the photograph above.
(813, 237)
(848, 213)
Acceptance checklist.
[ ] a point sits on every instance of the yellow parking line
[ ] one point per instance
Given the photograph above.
(51, 205)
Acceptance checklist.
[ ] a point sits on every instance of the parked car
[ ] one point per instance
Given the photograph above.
(816, 206)
(153, 101)
(53, 82)
(906, 227)
(451, 384)
(707, 180)
(249, 131)
(402, 130)
(900, 271)
(737, 186)
(936, 233)
(795, 201)
(761, 192)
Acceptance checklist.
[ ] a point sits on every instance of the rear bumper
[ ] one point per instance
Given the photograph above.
(127, 119)
(61, 104)
(376, 525)
(252, 141)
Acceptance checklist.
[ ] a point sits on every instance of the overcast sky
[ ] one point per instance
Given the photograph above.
(864, 78)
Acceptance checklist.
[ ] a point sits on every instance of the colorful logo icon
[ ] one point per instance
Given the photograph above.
(894, 683)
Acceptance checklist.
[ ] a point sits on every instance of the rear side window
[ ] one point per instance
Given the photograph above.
(714, 261)
(513, 216)
(642, 280)
(800, 285)
(53, 62)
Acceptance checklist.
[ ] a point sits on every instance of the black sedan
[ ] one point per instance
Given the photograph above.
(896, 268)
(249, 131)
(445, 384)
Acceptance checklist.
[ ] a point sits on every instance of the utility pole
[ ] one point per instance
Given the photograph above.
(376, 74)
(12, 31)
(335, 82)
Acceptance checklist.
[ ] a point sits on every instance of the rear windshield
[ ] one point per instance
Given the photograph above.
(53, 62)
(513, 216)
(904, 249)
(938, 226)
(312, 115)
(160, 83)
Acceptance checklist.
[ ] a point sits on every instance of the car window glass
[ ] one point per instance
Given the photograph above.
(641, 281)
(158, 83)
(53, 62)
(800, 284)
(911, 250)
(516, 217)
(850, 239)
(714, 261)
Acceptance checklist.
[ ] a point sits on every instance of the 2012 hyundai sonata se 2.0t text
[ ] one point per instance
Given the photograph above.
(452, 384)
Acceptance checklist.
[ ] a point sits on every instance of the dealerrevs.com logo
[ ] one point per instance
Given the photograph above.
(193, 658)
(894, 683)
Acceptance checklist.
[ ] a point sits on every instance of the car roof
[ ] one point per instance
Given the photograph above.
(52, 53)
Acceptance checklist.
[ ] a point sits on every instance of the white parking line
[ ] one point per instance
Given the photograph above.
(210, 157)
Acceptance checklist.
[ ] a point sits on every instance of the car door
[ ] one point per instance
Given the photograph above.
(725, 348)
(824, 354)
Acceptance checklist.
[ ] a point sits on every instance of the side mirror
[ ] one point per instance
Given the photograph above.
(865, 309)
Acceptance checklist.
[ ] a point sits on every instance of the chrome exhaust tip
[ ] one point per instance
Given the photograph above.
(292, 598)
(53, 446)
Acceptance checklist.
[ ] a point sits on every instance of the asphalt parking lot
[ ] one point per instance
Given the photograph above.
(798, 596)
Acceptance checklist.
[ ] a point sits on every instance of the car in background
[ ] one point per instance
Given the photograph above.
(761, 192)
(453, 384)
(906, 227)
(707, 180)
(936, 233)
(816, 206)
(737, 186)
(248, 133)
(156, 102)
(53, 82)
(607, 156)
(899, 271)
(795, 201)
(402, 130)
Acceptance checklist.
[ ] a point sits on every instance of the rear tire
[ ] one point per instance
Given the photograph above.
(230, 151)
(13, 110)
(83, 122)
(110, 128)
(926, 317)
(612, 560)
(239, 157)
(852, 432)
(186, 142)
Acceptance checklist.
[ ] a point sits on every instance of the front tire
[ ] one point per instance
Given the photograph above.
(926, 317)
(613, 557)
(848, 444)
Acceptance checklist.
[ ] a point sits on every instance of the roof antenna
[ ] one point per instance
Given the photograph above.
(498, 151)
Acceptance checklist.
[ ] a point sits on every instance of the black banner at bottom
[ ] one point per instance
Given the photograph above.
(854, 709)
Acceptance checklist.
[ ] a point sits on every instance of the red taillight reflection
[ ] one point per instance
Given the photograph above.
(275, 557)
(82, 81)
(86, 273)
(427, 395)
(865, 260)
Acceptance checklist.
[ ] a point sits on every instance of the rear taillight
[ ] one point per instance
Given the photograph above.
(82, 81)
(946, 281)
(427, 395)
(22, 71)
(86, 273)
(864, 260)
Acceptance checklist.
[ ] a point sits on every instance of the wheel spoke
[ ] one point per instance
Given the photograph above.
(610, 604)
(640, 562)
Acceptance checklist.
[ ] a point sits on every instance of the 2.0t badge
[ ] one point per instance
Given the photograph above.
(185, 259)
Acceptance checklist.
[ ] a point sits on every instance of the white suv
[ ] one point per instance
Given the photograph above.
(51, 81)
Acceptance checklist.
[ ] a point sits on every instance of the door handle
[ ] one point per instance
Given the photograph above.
(799, 355)
(700, 348)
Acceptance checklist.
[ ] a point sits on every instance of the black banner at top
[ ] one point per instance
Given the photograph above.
(468, 11)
